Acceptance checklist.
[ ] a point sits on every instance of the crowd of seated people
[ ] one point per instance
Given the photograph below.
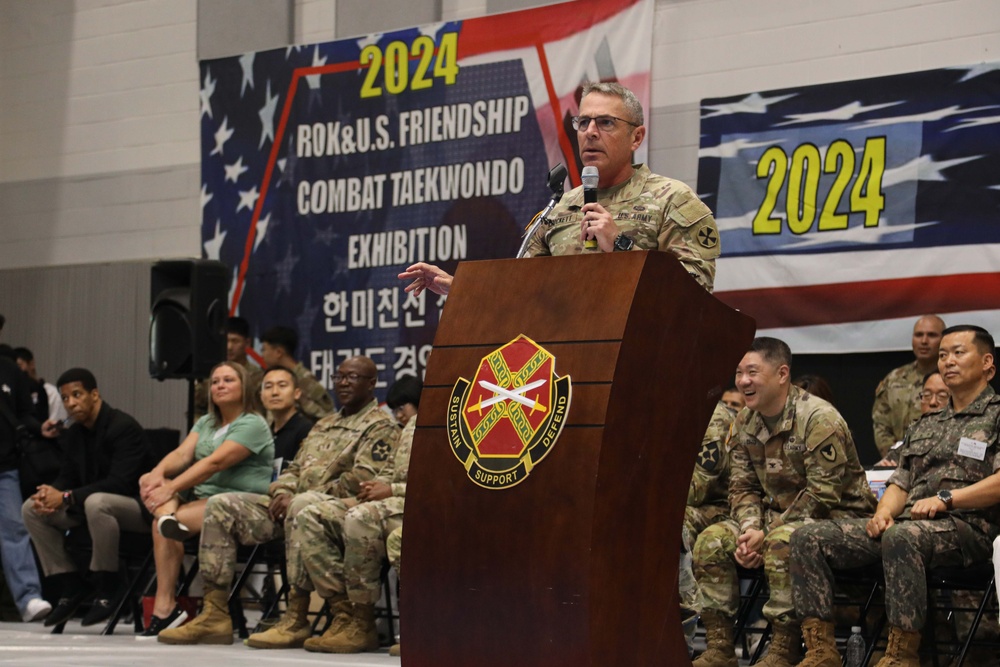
(778, 486)
(252, 469)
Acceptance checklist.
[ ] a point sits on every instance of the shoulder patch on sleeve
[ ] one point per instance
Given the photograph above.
(828, 452)
(690, 212)
(381, 450)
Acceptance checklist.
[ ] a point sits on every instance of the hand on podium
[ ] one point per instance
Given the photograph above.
(426, 276)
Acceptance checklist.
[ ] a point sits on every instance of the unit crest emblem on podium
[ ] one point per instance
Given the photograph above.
(509, 416)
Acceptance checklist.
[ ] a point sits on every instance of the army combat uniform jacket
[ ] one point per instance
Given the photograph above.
(949, 450)
(897, 405)
(340, 452)
(807, 469)
(656, 212)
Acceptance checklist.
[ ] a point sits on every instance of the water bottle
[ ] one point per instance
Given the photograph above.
(855, 655)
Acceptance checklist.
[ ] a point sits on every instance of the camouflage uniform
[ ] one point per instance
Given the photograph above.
(367, 527)
(339, 453)
(897, 405)
(394, 549)
(929, 462)
(806, 470)
(201, 388)
(708, 500)
(315, 401)
(656, 212)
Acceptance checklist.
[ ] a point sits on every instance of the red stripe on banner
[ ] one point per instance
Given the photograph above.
(564, 143)
(279, 135)
(866, 301)
(525, 28)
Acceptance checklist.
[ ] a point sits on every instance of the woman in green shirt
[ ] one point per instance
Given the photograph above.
(229, 449)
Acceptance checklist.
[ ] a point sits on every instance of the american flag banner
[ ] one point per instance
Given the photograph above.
(328, 168)
(847, 210)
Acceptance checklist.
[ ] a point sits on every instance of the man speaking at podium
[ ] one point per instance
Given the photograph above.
(632, 208)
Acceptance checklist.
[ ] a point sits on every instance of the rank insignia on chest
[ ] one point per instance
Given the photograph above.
(504, 421)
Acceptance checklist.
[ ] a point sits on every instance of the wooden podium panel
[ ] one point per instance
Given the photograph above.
(577, 564)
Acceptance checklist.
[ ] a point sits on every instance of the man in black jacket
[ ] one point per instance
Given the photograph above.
(15, 546)
(98, 485)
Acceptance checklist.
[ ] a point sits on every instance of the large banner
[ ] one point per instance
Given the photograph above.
(327, 169)
(847, 210)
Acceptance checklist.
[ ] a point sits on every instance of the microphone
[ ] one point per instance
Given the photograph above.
(556, 177)
(590, 176)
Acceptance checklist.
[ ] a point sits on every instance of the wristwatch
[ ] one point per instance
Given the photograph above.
(945, 496)
(623, 243)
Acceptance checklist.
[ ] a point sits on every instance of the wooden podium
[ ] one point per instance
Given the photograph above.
(577, 564)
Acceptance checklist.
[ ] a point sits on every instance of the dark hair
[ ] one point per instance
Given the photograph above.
(404, 390)
(7, 351)
(3, 321)
(929, 376)
(295, 379)
(238, 326)
(81, 375)
(24, 354)
(283, 337)
(815, 385)
(773, 350)
(981, 337)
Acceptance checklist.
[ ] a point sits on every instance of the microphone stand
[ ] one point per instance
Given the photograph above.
(556, 178)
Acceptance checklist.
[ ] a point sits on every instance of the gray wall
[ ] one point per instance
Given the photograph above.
(95, 316)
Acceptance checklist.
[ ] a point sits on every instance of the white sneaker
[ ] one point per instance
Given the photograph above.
(36, 610)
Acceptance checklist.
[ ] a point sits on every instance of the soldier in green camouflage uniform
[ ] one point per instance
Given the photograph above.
(635, 209)
(897, 398)
(278, 345)
(655, 212)
(365, 531)
(939, 509)
(792, 460)
(707, 503)
(341, 453)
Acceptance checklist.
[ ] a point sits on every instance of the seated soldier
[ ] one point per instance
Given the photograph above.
(394, 553)
(733, 399)
(896, 404)
(403, 398)
(933, 398)
(939, 509)
(105, 452)
(792, 460)
(366, 528)
(707, 503)
(237, 342)
(342, 452)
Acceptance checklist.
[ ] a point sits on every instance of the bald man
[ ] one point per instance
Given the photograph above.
(897, 398)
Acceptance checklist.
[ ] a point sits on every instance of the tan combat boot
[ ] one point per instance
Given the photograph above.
(821, 645)
(292, 629)
(719, 636)
(394, 650)
(786, 647)
(212, 626)
(355, 636)
(902, 649)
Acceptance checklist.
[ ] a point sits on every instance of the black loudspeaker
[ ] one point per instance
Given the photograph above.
(187, 318)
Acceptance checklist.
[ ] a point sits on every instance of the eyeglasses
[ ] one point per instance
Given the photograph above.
(604, 123)
(942, 396)
(350, 377)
